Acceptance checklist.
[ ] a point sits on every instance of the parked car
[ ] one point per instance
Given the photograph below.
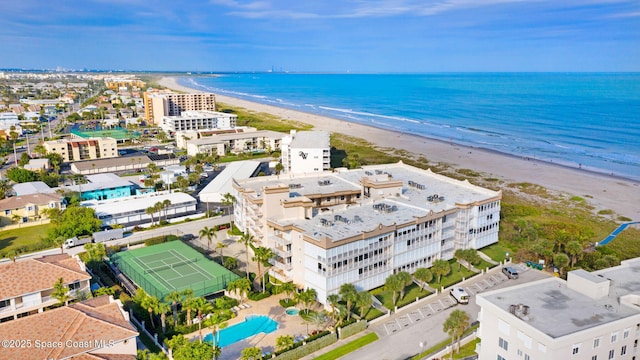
(510, 272)
(187, 237)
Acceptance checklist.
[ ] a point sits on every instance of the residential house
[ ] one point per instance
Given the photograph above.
(30, 207)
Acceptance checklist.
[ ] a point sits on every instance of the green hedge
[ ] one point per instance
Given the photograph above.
(345, 332)
(310, 347)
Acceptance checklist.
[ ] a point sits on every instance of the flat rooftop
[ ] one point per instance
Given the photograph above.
(310, 139)
(136, 203)
(220, 138)
(558, 311)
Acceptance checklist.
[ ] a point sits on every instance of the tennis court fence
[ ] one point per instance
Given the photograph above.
(161, 289)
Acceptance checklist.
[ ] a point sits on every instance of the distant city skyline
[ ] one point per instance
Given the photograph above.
(322, 36)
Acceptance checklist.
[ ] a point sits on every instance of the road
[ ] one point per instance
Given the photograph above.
(192, 227)
(419, 326)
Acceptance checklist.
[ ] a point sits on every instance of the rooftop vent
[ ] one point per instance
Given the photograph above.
(368, 173)
(295, 186)
(435, 198)
(357, 218)
(521, 311)
(384, 208)
(324, 182)
(326, 223)
(341, 219)
(416, 185)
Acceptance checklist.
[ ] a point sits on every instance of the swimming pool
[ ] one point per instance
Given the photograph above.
(292, 311)
(252, 325)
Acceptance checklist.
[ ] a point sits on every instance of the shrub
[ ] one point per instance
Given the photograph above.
(225, 302)
(256, 296)
(286, 303)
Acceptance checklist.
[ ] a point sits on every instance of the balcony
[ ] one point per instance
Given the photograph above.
(282, 251)
(277, 262)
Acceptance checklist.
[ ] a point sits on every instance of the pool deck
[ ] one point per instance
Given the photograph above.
(287, 325)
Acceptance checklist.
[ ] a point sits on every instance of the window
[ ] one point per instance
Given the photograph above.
(74, 286)
(7, 212)
(594, 357)
(623, 351)
(611, 354)
(625, 334)
(596, 343)
(5, 303)
(614, 337)
(576, 349)
(527, 357)
(503, 343)
(501, 358)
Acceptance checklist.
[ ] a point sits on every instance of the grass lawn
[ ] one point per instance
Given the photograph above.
(454, 277)
(349, 347)
(262, 121)
(496, 251)
(25, 239)
(412, 292)
(483, 265)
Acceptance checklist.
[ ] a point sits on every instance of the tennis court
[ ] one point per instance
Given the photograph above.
(116, 133)
(172, 266)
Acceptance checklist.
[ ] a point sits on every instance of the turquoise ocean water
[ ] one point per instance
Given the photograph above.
(588, 120)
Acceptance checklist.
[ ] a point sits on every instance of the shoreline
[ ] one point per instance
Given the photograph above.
(602, 191)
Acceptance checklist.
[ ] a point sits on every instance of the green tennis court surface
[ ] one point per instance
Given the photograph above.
(116, 133)
(172, 266)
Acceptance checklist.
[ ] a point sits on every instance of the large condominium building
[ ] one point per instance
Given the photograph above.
(360, 226)
(236, 142)
(590, 316)
(198, 120)
(83, 149)
(306, 151)
(160, 104)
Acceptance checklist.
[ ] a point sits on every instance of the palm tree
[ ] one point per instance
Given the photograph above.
(455, 325)
(174, 297)
(247, 239)
(217, 351)
(574, 250)
(150, 303)
(188, 303)
(262, 256)
(61, 292)
(203, 307)
(363, 302)
(319, 319)
(333, 300)
(284, 342)
(459, 255)
(165, 205)
(163, 308)
(150, 211)
(561, 261)
(306, 297)
(208, 233)
(288, 288)
(394, 284)
(423, 275)
(348, 293)
(440, 267)
(228, 200)
(240, 287)
(221, 245)
(252, 353)
(406, 279)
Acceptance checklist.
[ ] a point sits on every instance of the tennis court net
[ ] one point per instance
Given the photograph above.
(170, 266)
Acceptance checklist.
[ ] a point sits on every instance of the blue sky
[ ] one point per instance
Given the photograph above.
(322, 35)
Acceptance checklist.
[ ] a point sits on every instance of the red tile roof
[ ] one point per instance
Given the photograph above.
(69, 332)
(32, 275)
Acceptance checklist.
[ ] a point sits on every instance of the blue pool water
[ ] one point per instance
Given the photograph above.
(292, 311)
(252, 325)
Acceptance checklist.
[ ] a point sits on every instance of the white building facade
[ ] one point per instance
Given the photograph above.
(198, 120)
(360, 226)
(592, 316)
(305, 152)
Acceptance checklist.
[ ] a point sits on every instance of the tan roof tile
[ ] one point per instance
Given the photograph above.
(32, 275)
(67, 332)
(16, 202)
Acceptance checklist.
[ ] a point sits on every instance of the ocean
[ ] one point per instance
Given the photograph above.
(583, 120)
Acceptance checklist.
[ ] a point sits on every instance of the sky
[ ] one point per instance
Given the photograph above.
(366, 36)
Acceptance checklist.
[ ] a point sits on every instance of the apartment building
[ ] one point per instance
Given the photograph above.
(27, 285)
(158, 104)
(83, 149)
(360, 226)
(198, 120)
(306, 151)
(97, 328)
(590, 316)
(221, 144)
(30, 207)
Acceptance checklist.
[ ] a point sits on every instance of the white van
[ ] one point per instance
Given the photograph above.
(460, 295)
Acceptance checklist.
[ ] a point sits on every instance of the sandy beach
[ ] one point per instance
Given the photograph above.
(601, 191)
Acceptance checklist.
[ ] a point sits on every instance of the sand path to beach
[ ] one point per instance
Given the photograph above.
(601, 191)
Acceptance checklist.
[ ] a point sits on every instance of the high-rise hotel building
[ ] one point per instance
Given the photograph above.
(360, 226)
(159, 104)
